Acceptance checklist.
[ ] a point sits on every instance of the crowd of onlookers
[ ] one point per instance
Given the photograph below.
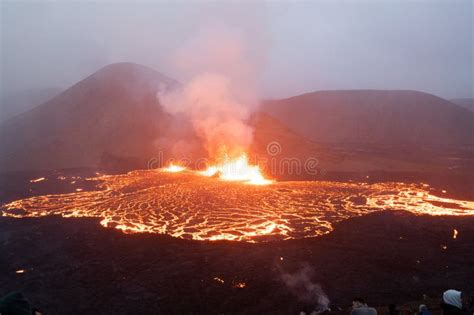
(454, 303)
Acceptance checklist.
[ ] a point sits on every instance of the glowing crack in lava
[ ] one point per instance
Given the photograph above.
(189, 205)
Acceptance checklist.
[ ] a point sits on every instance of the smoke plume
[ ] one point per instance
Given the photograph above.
(221, 94)
(308, 292)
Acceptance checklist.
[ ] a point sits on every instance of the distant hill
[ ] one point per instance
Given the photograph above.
(114, 121)
(289, 155)
(20, 102)
(114, 112)
(373, 117)
(464, 102)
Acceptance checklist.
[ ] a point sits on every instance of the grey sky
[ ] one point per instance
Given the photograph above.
(299, 46)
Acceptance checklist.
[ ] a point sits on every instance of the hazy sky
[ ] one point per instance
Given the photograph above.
(297, 46)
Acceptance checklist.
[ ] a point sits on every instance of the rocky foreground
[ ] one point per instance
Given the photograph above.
(76, 266)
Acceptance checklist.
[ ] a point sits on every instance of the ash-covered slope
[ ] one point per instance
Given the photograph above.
(286, 154)
(372, 117)
(464, 102)
(114, 111)
(278, 148)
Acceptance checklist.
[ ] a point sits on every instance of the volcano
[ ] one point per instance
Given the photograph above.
(113, 112)
(113, 120)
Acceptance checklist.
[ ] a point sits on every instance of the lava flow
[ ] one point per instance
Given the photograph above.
(188, 205)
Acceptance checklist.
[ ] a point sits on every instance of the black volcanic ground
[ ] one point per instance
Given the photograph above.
(77, 266)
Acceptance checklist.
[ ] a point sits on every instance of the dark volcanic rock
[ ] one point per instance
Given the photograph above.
(74, 265)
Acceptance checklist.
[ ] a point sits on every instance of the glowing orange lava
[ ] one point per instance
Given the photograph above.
(237, 169)
(37, 180)
(172, 168)
(240, 285)
(219, 280)
(191, 206)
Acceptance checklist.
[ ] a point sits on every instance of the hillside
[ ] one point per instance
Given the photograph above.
(114, 111)
(370, 117)
(113, 120)
(286, 154)
(464, 102)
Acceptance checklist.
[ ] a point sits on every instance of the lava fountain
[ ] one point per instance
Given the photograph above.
(173, 168)
(237, 169)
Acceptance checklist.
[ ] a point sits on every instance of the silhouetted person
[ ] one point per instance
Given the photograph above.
(452, 303)
(392, 310)
(423, 310)
(470, 305)
(359, 307)
(15, 303)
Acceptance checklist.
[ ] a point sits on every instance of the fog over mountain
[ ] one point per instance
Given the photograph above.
(20, 102)
(114, 117)
(386, 69)
(300, 46)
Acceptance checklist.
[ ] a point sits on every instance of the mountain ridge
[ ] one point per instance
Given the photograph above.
(114, 114)
(374, 117)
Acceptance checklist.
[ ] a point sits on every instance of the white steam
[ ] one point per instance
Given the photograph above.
(221, 94)
(301, 285)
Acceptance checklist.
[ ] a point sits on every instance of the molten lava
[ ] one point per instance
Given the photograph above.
(191, 206)
(229, 169)
(37, 180)
(172, 168)
(237, 169)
